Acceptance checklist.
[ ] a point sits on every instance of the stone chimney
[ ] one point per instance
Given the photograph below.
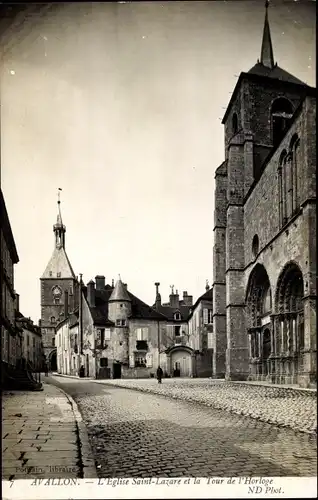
(66, 304)
(187, 299)
(100, 282)
(91, 293)
(174, 299)
(125, 285)
(158, 296)
(17, 302)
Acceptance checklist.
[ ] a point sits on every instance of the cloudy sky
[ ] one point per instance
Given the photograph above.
(119, 104)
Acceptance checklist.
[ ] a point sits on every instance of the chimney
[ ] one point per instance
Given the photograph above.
(158, 296)
(100, 282)
(17, 302)
(125, 285)
(187, 299)
(91, 293)
(65, 304)
(174, 299)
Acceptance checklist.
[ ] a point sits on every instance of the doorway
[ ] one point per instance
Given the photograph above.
(117, 370)
(53, 363)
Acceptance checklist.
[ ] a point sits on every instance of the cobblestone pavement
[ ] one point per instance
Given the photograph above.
(134, 434)
(282, 406)
(39, 436)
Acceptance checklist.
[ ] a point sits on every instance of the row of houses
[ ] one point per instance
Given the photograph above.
(21, 340)
(114, 334)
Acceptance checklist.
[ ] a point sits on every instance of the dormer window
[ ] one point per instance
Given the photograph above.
(58, 275)
(177, 316)
(120, 322)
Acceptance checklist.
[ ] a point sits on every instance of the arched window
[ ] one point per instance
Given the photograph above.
(177, 316)
(255, 245)
(52, 319)
(281, 114)
(234, 123)
(282, 188)
(294, 152)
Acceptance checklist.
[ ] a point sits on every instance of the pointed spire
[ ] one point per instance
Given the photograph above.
(58, 228)
(267, 55)
(119, 293)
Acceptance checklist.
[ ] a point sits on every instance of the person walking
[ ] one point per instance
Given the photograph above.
(159, 374)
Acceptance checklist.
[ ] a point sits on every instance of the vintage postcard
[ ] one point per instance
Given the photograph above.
(158, 249)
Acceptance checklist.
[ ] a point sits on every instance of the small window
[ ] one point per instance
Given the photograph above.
(210, 316)
(50, 273)
(103, 362)
(52, 319)
(58, 275)
(205, 316)
(123, 322)
(140, 361)
(177, 316)
(177, 330)
(33, 341)
(56, 300)
(234, 123)
(28, 340)
(53, 341)
(118, 322)
(255, 245)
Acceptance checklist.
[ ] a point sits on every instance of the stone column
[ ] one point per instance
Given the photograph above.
(308, 377)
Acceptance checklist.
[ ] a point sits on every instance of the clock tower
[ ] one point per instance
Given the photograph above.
(59, 288)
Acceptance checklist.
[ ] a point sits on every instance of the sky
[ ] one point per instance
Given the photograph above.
(120, 105)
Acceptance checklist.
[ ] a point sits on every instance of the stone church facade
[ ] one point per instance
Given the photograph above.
(264, 299)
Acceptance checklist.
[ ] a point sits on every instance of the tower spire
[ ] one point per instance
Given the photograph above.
(58, 228)
(267, 55)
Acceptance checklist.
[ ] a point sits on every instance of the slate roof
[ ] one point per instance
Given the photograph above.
(208, 296)
(59, 263)
(169, 312)
(276, 72)
(139, 309)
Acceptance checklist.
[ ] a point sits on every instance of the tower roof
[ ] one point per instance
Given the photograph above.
(59, 266)
(119, 293)
(267, 55)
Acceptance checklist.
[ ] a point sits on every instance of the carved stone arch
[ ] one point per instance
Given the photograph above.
(289, 289)
(256, 291)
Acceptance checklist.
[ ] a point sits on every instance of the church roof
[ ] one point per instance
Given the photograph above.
(276, 72)
(120, 292)
(59, 266)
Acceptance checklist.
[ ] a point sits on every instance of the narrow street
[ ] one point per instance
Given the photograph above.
(133, 434)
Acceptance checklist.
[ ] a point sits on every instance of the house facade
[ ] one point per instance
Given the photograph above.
(200, 333)
(32, 350)
(264, 300)
(11, 336)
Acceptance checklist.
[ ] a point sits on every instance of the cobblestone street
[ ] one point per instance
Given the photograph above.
(134, 434)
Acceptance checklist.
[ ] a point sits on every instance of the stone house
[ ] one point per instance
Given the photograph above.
(112, 333)
(200, 334)
(11, 339)
(264, 299)
(31, 343)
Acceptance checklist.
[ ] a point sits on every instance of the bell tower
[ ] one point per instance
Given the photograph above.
(257, 117)
(58, 289)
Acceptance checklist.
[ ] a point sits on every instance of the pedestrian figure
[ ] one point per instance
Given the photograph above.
(159, 374)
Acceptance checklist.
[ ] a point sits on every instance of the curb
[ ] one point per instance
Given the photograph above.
(86, 455)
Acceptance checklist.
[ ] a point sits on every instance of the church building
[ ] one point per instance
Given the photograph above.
(264, 290)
